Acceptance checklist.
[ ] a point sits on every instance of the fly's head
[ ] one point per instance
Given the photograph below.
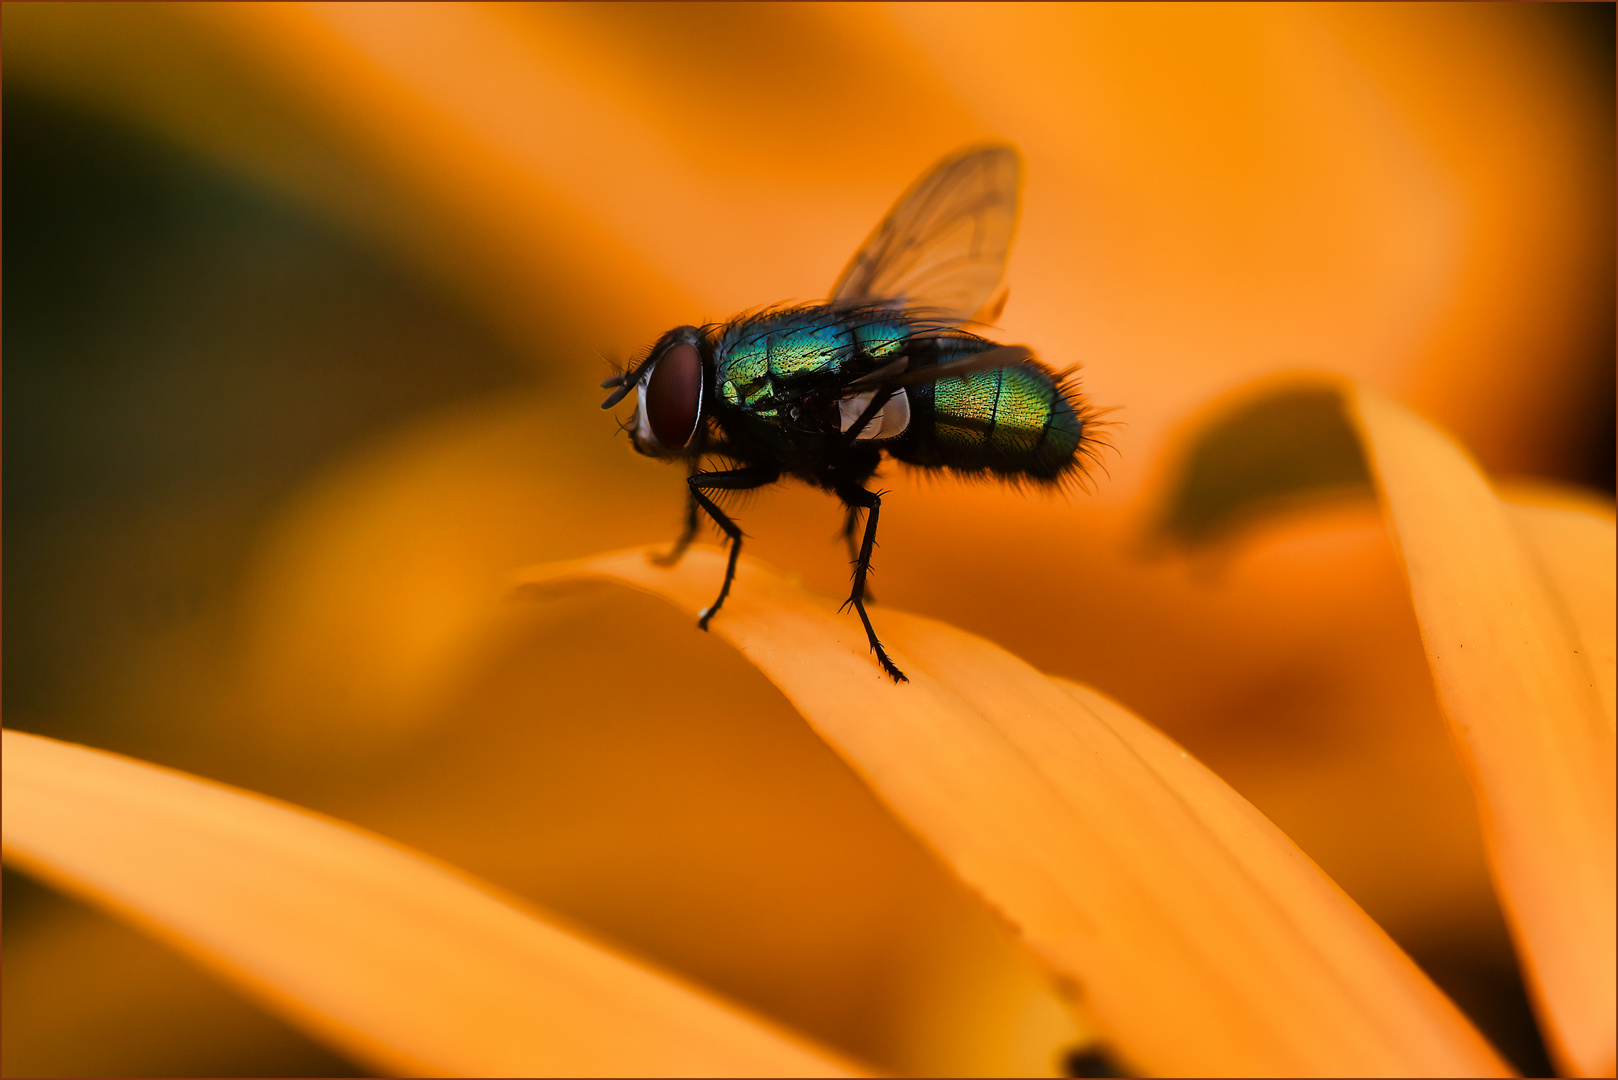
(671, 387)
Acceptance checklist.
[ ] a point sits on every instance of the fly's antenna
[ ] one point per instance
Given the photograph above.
(629, 377)
(624, 381)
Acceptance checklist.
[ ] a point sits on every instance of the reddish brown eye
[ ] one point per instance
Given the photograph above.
(674, 395)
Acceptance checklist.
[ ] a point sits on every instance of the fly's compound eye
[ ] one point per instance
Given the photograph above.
(671, 399)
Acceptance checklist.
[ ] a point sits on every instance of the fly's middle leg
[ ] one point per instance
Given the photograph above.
(851, 528)
(871, 503)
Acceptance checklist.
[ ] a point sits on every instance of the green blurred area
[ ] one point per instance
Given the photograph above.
(1271, 453)
(183, 351)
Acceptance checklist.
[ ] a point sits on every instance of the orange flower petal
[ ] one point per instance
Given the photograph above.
(1200, 937)
(399, 961)
(1522, 692)
(1573, 540)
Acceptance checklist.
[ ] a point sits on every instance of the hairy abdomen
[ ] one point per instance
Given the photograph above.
(1014, 422)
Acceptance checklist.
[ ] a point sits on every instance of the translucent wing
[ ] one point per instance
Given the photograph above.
(943, 246)
(877, 407)
(897, 374)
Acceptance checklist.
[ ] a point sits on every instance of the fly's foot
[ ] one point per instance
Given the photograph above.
(672, 556)
(888, 665)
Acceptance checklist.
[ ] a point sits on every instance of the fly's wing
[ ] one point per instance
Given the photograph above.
(943, 246)
(875, 406)
(897, 375)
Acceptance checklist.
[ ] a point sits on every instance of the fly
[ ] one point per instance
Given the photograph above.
(886, 366)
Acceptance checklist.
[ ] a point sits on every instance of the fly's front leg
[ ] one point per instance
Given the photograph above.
(734, 480)
(871, 503)
(686, 534)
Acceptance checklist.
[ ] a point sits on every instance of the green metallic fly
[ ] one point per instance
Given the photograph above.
(885, 366)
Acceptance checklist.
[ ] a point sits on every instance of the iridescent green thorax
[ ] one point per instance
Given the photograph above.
(762, 363)
(765, 364)
(757, 359)
(761, 358)
(883, 339)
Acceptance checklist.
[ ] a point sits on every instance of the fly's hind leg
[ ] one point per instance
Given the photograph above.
(732, 480)
(871, 503)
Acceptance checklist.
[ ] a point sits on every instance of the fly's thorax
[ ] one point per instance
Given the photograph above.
(883, 336)
(759, 361)
(776, 365)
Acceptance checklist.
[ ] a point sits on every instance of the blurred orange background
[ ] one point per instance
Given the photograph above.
(307, 305)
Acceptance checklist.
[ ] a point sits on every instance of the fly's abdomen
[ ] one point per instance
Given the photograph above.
(1013, 421)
